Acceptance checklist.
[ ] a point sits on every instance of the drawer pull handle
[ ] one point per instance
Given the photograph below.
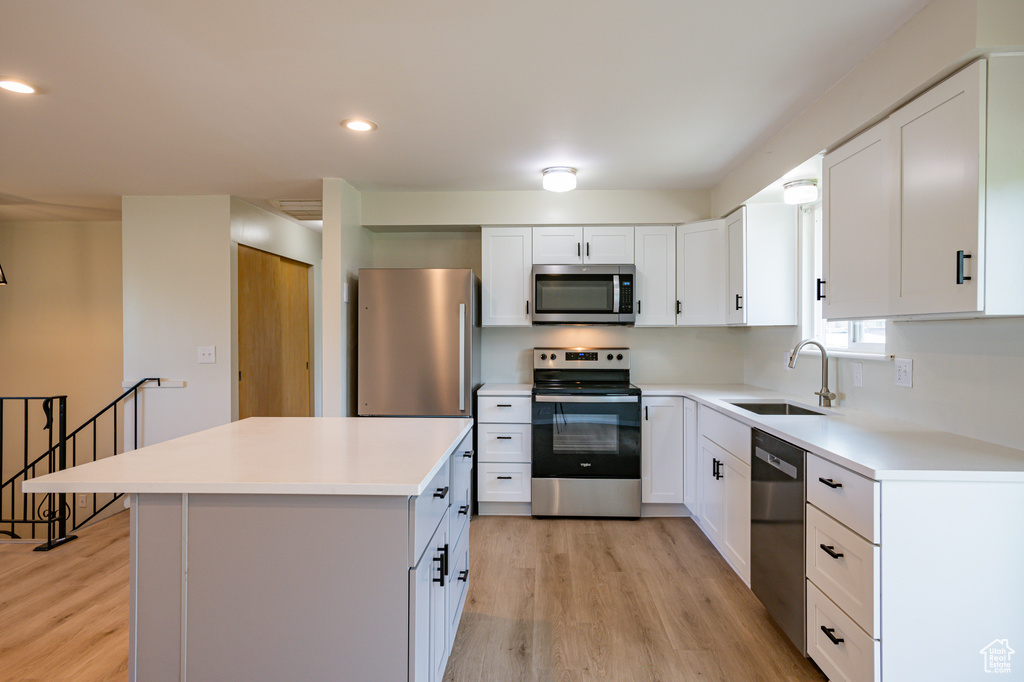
(464, 575)
(504, 478)
(504, 437)
(828, 633)
(830, 483)
(468, 454)
(830, 550)
(503, 406)
(441, 493)
(464, 510)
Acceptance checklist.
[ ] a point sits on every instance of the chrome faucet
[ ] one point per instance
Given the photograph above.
(825, 396)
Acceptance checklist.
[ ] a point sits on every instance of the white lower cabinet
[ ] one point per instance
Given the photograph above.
(505, 439)
(691, 490)
(428, 600)
(725, 487)
(661, 450)
(838, 646)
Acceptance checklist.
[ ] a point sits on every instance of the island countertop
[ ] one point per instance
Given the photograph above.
(286, 455)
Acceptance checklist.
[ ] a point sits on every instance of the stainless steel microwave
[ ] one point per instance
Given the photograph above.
(583, 294)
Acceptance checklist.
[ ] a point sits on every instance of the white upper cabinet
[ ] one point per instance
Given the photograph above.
(938, 157)
(702, 274)
(572, 244)
(656, 276)
(855, 227)
(506, 263)
(762, 262)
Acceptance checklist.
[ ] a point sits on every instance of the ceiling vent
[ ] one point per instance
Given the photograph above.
(304, 209)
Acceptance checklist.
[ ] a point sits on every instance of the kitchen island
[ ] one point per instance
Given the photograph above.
(294, 548)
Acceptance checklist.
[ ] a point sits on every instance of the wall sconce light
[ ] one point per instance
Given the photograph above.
(800, 191)
(559, 178)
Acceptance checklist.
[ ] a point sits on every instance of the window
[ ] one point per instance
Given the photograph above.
(862, 336)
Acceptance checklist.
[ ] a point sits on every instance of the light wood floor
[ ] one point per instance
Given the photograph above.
(563, 599)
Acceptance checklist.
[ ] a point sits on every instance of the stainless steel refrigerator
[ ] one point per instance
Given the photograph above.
(419, 342)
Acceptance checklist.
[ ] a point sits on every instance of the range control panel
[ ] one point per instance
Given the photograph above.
(581, 358)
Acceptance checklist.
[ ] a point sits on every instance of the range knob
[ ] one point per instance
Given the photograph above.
(543, 356)
(610, 356)
(619, 356)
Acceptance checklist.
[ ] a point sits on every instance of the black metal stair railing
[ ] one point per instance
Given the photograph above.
(24, 514)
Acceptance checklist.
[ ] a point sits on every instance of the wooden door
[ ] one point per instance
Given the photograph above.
(273, 335)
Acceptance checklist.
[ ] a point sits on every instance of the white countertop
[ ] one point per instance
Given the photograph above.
(266, 455)
(505, 389)
(877, 447)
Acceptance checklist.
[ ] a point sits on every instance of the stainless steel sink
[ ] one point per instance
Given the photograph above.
(776, 407)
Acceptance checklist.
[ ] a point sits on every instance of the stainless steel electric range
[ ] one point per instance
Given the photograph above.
(586, 433)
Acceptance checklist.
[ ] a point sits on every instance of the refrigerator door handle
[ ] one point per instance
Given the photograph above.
(462, 357)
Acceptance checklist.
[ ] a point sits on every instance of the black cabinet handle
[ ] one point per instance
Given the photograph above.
(738, 299)
(818, 293)
(679, 307)
(506, 478)
(960, 255)
(830, 483)
(588, 249)
(468, 454)
(441, 493)
(464, 510)
(504, 437)
(464, 575)
(828, 632)
(830, 550)
(445, 555)
(500, 405)
(647, 417)
(527, 307)
(639, 307)
(439, 560)
(577, 249)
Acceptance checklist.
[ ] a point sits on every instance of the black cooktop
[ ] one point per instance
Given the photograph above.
(585, 388)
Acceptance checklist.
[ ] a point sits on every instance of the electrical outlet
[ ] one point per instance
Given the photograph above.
(83, 500)
(904, 372)
(858, 374)
(207, 355)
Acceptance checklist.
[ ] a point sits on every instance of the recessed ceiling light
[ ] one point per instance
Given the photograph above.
(360, 125)
(20, 87)
(559, 178)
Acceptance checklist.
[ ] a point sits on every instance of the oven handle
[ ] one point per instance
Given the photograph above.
(587, 398)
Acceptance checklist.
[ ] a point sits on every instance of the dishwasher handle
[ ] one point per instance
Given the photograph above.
(773, 461)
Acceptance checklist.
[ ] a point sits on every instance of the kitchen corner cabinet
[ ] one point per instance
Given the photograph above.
(661, 450)
(572, 245)
(656, 276)
(724, 447)
(507, 261)
(855, 227)
(762, 265)
(959, 233)
(702, 278)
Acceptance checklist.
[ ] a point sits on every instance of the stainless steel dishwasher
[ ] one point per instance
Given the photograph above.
(777, 533)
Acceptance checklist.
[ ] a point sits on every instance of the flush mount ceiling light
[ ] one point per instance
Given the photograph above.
(359, 125)
(800, 191)
(20, 87)
(559, 178)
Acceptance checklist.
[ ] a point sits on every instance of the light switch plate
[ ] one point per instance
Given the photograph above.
(207, 355)
(858, 374)
(904, 372)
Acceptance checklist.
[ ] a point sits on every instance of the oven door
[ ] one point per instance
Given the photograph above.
(586, 436)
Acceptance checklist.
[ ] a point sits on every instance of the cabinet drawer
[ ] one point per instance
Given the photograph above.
(505, 443)
(725, 431)
(856, 658)
(503, 482)
(504, 409)
(458, 586)
(849, 498)
(462, 472)
(851, 580)
(427, 510)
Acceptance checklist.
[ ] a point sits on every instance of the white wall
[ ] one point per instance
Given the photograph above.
(402, 210)
(176, 265)
(346, 248)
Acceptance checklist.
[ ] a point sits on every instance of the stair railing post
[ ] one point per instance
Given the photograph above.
(62, 462)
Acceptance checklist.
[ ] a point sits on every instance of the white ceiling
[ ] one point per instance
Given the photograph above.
(244, 98)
